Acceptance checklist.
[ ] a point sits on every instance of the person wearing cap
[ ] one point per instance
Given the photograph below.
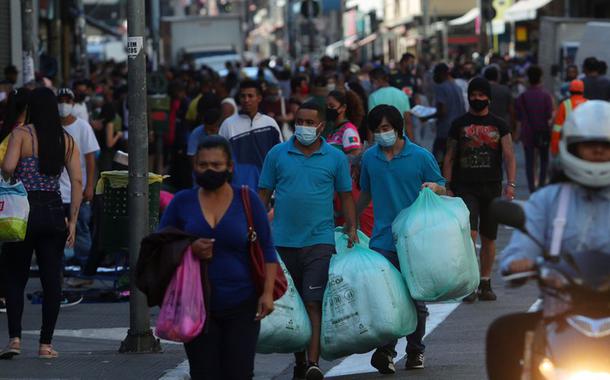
(479, 145)
(577, 90)
(84, 137)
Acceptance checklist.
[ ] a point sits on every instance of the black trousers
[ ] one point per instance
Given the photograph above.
(2, 282)
(46, 234)
(506, 343)
(226, 348)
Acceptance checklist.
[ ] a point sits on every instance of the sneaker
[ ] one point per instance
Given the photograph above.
(485, 292)
(471, 298)
(383, 362)
(300, 371)
(414, 361)
(314, 372)
(2, 305)
(70, 299)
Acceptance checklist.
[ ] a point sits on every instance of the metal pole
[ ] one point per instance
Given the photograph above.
(139, 337)
(312, 34)
(55, 42)
(81, 38)
(155, 15)
(426, 17)
(27, 14)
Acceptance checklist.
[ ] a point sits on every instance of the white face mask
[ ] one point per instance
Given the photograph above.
(2, 96)
(65, 109)
(386, 139)
(306, 135)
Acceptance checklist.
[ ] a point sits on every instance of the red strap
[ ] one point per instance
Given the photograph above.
(245, 196)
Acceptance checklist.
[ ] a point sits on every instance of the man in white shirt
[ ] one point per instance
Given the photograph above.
(251, 134)
(83, 136)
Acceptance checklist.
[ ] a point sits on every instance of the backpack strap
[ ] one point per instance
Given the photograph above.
(559, 223)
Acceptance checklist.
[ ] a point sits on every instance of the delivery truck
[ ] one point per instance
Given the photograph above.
(202, 40)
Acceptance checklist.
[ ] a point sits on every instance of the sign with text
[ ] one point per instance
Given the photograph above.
(134, 45)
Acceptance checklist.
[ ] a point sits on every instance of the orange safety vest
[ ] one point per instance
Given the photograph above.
(565, 109)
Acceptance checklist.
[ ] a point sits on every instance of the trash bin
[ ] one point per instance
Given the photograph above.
(115, 220)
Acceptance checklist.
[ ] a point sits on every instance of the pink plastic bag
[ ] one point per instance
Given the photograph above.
(182, 314)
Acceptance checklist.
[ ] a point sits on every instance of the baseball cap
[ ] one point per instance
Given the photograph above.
(62, 92)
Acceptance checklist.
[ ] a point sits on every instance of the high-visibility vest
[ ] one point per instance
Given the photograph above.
(567, 107)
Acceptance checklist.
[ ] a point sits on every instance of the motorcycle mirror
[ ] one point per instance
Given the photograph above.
(508, 213)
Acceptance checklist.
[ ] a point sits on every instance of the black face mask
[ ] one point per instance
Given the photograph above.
(478, 105)
(211, 180)
(331, 114)
(79, 98)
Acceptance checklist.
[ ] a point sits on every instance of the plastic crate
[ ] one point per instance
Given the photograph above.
(115, 220)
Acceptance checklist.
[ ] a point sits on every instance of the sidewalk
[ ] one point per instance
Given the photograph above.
(87, 337)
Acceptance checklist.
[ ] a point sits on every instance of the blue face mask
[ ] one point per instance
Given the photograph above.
(306, 135)
(386, 139)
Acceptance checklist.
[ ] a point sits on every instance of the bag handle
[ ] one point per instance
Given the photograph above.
(559, 223)
(245, 196)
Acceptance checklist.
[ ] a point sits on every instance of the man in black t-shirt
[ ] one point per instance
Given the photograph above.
(479, 144)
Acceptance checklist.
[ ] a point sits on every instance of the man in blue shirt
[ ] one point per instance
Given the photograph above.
(305, 172)
(393, 173)
(209, 113)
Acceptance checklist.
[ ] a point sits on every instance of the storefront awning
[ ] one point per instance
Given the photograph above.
(524, 10)
(468, 17)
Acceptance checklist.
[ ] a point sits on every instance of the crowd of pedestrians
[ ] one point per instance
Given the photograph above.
(318, 147)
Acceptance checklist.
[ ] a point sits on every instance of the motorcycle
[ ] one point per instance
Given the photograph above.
(572, 339)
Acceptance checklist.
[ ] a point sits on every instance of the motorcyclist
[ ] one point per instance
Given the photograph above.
(584, 154)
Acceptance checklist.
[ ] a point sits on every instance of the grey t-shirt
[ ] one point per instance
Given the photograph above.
(450, 95)
(501, 99)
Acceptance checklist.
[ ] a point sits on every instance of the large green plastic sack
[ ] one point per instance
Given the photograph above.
(287, 329)
(366, 302)
(436, 253)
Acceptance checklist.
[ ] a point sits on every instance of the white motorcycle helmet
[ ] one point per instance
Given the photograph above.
(589, 122)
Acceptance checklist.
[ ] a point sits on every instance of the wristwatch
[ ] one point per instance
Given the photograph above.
(511, 184)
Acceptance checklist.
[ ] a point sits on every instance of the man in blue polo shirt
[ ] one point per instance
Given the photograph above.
(305, 172)
(393, 173)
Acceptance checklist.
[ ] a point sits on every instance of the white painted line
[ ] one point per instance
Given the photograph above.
(360, 363)
(113, 333)
(179, 373)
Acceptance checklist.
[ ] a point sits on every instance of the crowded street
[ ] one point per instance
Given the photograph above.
(305, 189)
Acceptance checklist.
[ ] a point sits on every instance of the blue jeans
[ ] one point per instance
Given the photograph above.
(415, 343)
(83, 241)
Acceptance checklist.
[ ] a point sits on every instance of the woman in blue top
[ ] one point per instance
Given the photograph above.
(215, 212)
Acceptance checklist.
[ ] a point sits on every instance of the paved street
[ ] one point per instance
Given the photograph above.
(88, 337)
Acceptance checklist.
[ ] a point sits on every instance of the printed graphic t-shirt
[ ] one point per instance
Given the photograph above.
(479, 150)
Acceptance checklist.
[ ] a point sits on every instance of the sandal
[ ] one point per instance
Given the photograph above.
(13, 349)
(47, 352)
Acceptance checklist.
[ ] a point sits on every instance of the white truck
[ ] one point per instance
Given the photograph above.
(204, 40)
(566, 41)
